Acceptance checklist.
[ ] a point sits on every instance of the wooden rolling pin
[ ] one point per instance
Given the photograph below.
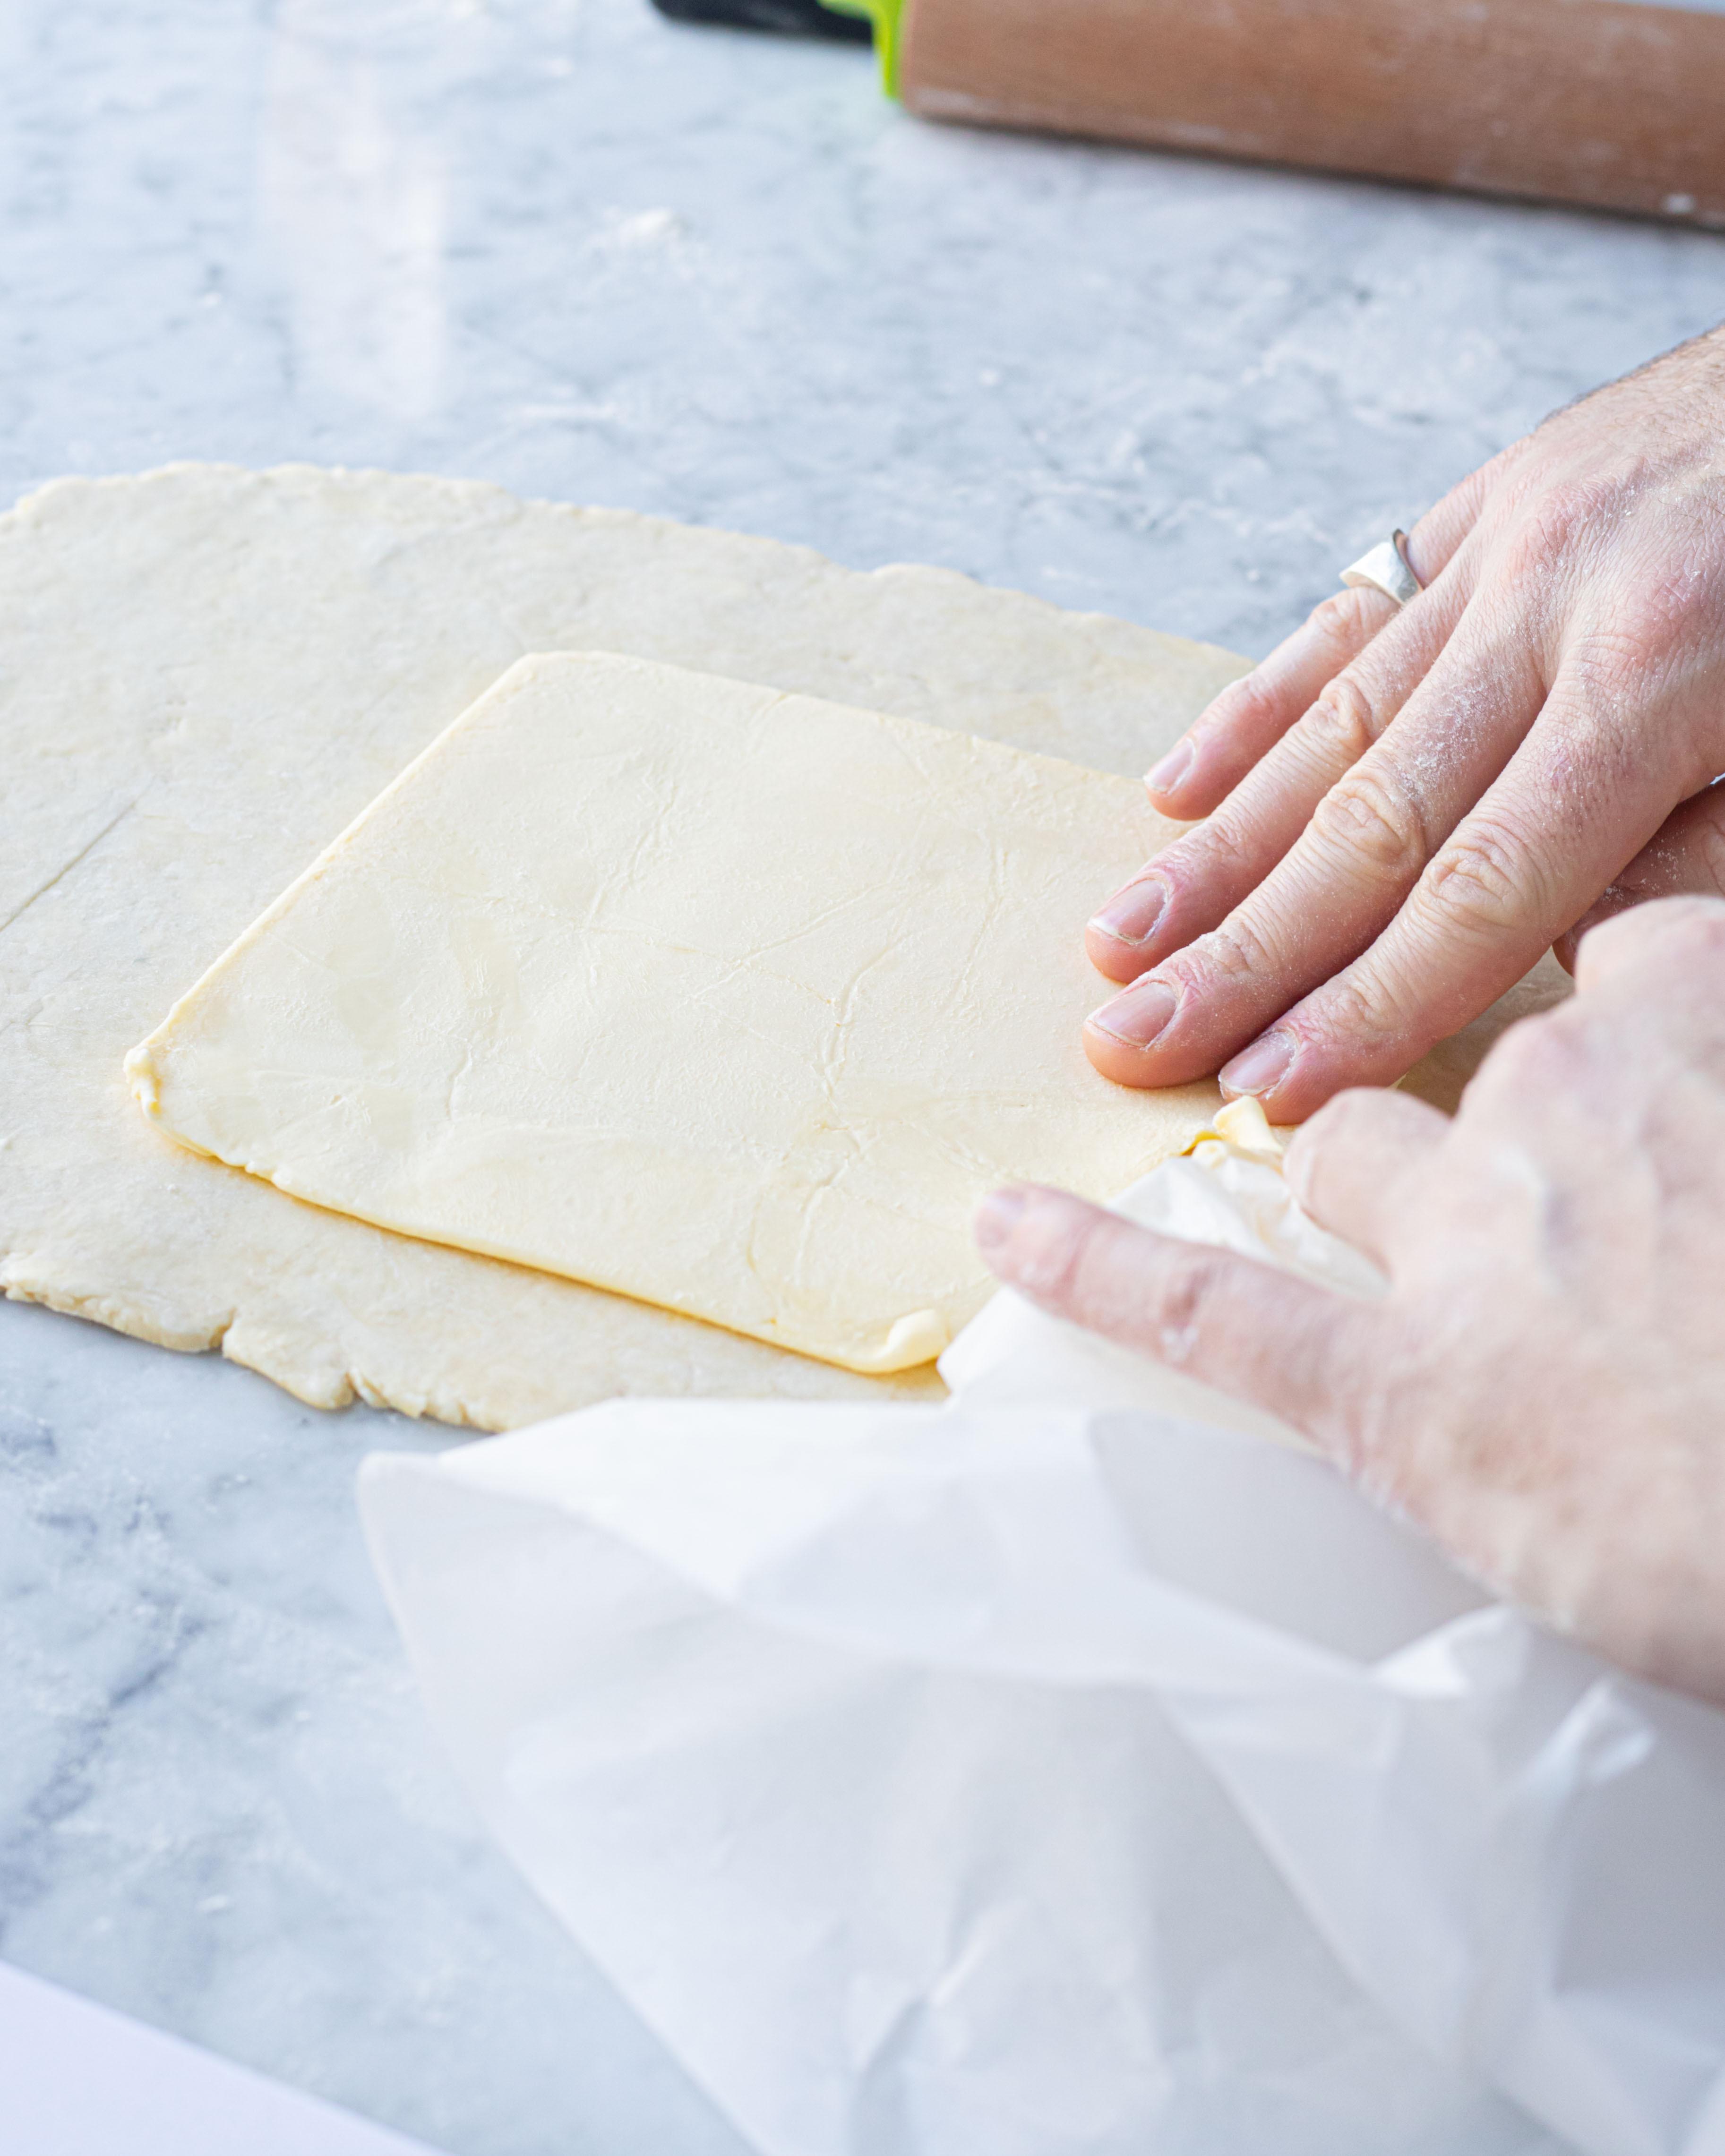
(1619, 104)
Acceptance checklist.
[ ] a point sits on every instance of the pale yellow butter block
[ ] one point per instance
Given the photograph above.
(732, 1000)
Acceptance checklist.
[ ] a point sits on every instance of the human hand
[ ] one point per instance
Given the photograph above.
(1543, 1387)
(1404, 809)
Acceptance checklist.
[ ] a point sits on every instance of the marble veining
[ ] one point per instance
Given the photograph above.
(562, 245)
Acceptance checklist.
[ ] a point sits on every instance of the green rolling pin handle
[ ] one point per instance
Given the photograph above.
(884, 15)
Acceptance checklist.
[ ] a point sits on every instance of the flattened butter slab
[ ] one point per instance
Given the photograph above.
(732, 1000)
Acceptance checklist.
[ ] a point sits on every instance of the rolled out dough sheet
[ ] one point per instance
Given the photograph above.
(205, 674)
(732, 1000)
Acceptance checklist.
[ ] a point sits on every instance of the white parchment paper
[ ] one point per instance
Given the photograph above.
(1071, 1767)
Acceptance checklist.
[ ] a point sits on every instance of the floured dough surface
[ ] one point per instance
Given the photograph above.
(733, 1000)
(206, 673)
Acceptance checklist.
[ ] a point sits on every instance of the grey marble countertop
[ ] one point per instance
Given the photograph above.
(562, 245)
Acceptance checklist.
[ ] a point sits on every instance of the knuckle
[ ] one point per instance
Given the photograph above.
(1343, 725)
(1604, 655)
(1216, 848)
(1483, 882)
(1616, 661)
(1370, 818)
(1555, 516)
(1251, 703)
(1230, 956)
(1362, 1007)
(1347, 618)
(1191, 1288)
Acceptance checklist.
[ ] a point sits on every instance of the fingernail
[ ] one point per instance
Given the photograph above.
(1138, 1014)
(1164, 777)
(996, 1216)
(1131, 915)
(1262, 1065)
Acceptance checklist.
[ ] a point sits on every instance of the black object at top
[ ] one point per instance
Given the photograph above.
(792, 19)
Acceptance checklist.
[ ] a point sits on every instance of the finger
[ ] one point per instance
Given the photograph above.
(1437, 540)
(1192, 886)
(1683, 936)
(1262, 1335)
(1365, 846)
(1350, 1166)
(1685, 857)
(1251, 714)
(1577, 799)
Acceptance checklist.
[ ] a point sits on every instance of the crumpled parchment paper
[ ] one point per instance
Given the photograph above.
(1070, 1768)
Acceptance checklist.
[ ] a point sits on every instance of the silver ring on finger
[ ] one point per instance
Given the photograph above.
(1386, 569)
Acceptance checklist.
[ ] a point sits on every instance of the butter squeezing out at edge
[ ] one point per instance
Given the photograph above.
(728, 999)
